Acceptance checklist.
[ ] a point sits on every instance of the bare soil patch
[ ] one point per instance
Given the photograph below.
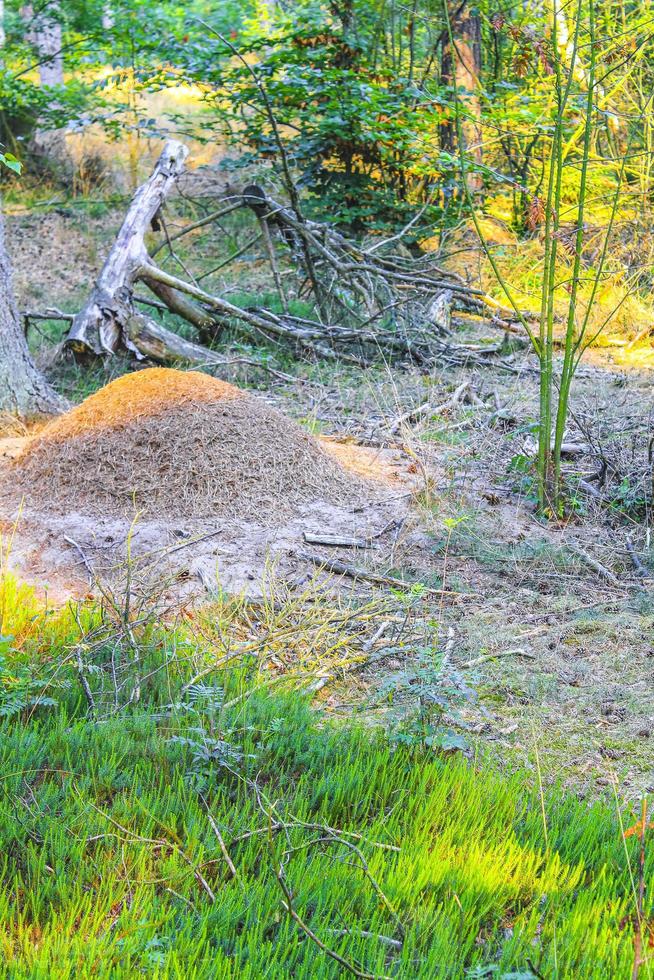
(209, 483)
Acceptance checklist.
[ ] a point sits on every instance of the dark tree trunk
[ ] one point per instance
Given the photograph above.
(24, 392)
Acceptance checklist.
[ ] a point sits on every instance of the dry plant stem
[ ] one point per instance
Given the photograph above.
(159, 842)
(638, 934)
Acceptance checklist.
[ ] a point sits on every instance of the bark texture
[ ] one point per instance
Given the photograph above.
(24, 392)
(102, 327)
(44, 32)
(461, 67)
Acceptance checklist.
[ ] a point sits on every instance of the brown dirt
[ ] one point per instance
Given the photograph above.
(181, 444)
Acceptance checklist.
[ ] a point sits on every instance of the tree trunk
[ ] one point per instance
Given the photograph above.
(107, 16)
(461, 67)
(24, 392)
(44, 32)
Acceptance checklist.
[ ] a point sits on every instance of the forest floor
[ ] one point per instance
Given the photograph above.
(544, 631)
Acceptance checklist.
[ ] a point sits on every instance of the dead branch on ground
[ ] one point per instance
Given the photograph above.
(371, 301)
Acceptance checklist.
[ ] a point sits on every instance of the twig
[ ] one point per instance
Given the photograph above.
(47, 315)
(356, 572)
(641, 570)
(231, 258)
(214, 826)
(214, 216)
(415, 413)
(288, 905)
(597, 566)
(516, 652)
(335, 540)
(80, 552)
(280, 825)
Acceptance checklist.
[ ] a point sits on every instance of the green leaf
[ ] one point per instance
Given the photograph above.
(10, 162)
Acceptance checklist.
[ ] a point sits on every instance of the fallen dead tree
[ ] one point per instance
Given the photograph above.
(369, 300)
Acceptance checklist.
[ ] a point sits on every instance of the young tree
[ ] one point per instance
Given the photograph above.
(24, 392)
(461, 67)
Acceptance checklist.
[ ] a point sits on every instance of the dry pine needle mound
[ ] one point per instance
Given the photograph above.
(180, 444)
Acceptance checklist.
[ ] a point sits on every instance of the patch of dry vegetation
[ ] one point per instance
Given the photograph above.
(179, 443)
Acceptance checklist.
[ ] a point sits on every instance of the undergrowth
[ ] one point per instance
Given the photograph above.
(220, 827)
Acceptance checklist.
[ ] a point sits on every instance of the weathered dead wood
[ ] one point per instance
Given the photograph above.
(101, 326)
(369, 303)
(208, 324)
(336, 540)
(154, 341)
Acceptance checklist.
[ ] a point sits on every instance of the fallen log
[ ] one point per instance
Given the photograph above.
(369, 304)
(101, 326)
(154, 341)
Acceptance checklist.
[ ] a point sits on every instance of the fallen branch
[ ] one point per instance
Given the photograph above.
(370, 303)
(335, 540)
(356, 572)
(595, 565)
(416, 413)
(641, 570)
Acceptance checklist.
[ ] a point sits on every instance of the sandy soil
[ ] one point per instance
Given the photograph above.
(64, 553)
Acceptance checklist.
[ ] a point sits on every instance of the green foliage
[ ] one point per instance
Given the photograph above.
(9, 161)
(114, 836)
(20, 689)
(346, 100)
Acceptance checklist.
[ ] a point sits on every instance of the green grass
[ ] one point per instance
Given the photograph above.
(110, 865)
